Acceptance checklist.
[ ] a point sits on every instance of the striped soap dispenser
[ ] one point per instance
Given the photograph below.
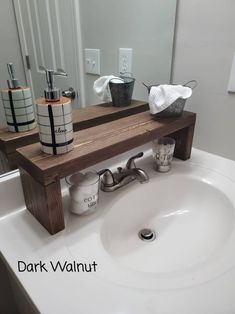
(54, 116)
(18, 104)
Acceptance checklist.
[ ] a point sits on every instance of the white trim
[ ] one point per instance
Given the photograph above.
(77, 45)
(79, 52)
(48, 10)
(22, 41)
(61, 45)
(40, 48)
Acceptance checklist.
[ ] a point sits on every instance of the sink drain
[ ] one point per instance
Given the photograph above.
(147, 235)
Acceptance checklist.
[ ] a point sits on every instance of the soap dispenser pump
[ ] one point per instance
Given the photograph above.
(13, 82)
(52, 93)
(54, 114)
(18, 104)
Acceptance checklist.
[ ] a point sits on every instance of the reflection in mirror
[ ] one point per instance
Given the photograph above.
(54, 34)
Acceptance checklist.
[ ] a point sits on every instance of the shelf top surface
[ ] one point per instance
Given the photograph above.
(79, 115)
(99, 143)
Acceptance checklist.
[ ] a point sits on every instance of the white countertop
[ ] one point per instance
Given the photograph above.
(23, 238)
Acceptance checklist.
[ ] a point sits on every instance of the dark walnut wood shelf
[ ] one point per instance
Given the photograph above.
(83, 118)
(41, 173)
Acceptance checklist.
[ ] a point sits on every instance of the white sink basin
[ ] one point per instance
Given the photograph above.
(193, 221)
(192, 211)
(188, 268)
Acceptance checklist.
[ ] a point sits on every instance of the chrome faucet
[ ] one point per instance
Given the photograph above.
(111, 181)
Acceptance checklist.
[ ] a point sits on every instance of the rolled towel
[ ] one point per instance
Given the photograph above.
(101, 86)
(162, 96)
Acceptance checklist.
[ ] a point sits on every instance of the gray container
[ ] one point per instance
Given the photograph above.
(121, 93)
(177, 107)
(174, 110)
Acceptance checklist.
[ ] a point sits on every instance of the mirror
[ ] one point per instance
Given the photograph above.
(56, 33)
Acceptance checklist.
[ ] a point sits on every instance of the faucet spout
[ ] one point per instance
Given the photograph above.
(139, 174)
(112, 181)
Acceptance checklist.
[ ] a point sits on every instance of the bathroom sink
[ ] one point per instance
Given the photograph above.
(189, 214)
(183, 263)
(191, 218)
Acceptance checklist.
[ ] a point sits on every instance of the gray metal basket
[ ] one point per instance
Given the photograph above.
(174, 110)
(177, 107)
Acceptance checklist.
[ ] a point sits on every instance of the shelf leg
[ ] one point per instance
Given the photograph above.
(184, 142)
(44, 202)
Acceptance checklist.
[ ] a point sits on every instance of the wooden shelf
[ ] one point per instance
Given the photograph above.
(83, 118)
(41, 173)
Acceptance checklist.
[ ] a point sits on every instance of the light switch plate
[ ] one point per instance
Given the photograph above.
(92, 61)
(231, 84)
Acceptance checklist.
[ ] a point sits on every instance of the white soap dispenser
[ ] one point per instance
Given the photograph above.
(54, 115)
(18, 104)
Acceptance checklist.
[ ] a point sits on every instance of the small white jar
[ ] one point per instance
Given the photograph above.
(84, 192)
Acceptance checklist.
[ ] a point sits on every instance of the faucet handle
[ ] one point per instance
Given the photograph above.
(108, 179)
(131, 162)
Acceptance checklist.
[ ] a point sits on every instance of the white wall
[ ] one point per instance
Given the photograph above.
(205, 44)
(145, 26)
(204, 48)
(10, 49)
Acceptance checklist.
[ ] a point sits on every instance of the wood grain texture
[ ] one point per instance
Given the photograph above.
(44, 202)
(184, 142)
(99, 143)
(10, 141)
(82, 118)
(104, 113)
(43, 101)
(41, 173)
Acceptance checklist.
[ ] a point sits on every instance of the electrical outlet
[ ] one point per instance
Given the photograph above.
(92, 61)
(125, 60)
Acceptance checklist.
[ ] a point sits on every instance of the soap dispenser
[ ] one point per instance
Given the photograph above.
(54, 115)
(18, 104)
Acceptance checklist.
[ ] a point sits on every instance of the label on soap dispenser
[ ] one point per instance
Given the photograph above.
(55, 126)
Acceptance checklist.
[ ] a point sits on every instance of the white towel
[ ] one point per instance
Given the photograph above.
(162, 96)
(101, 86)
